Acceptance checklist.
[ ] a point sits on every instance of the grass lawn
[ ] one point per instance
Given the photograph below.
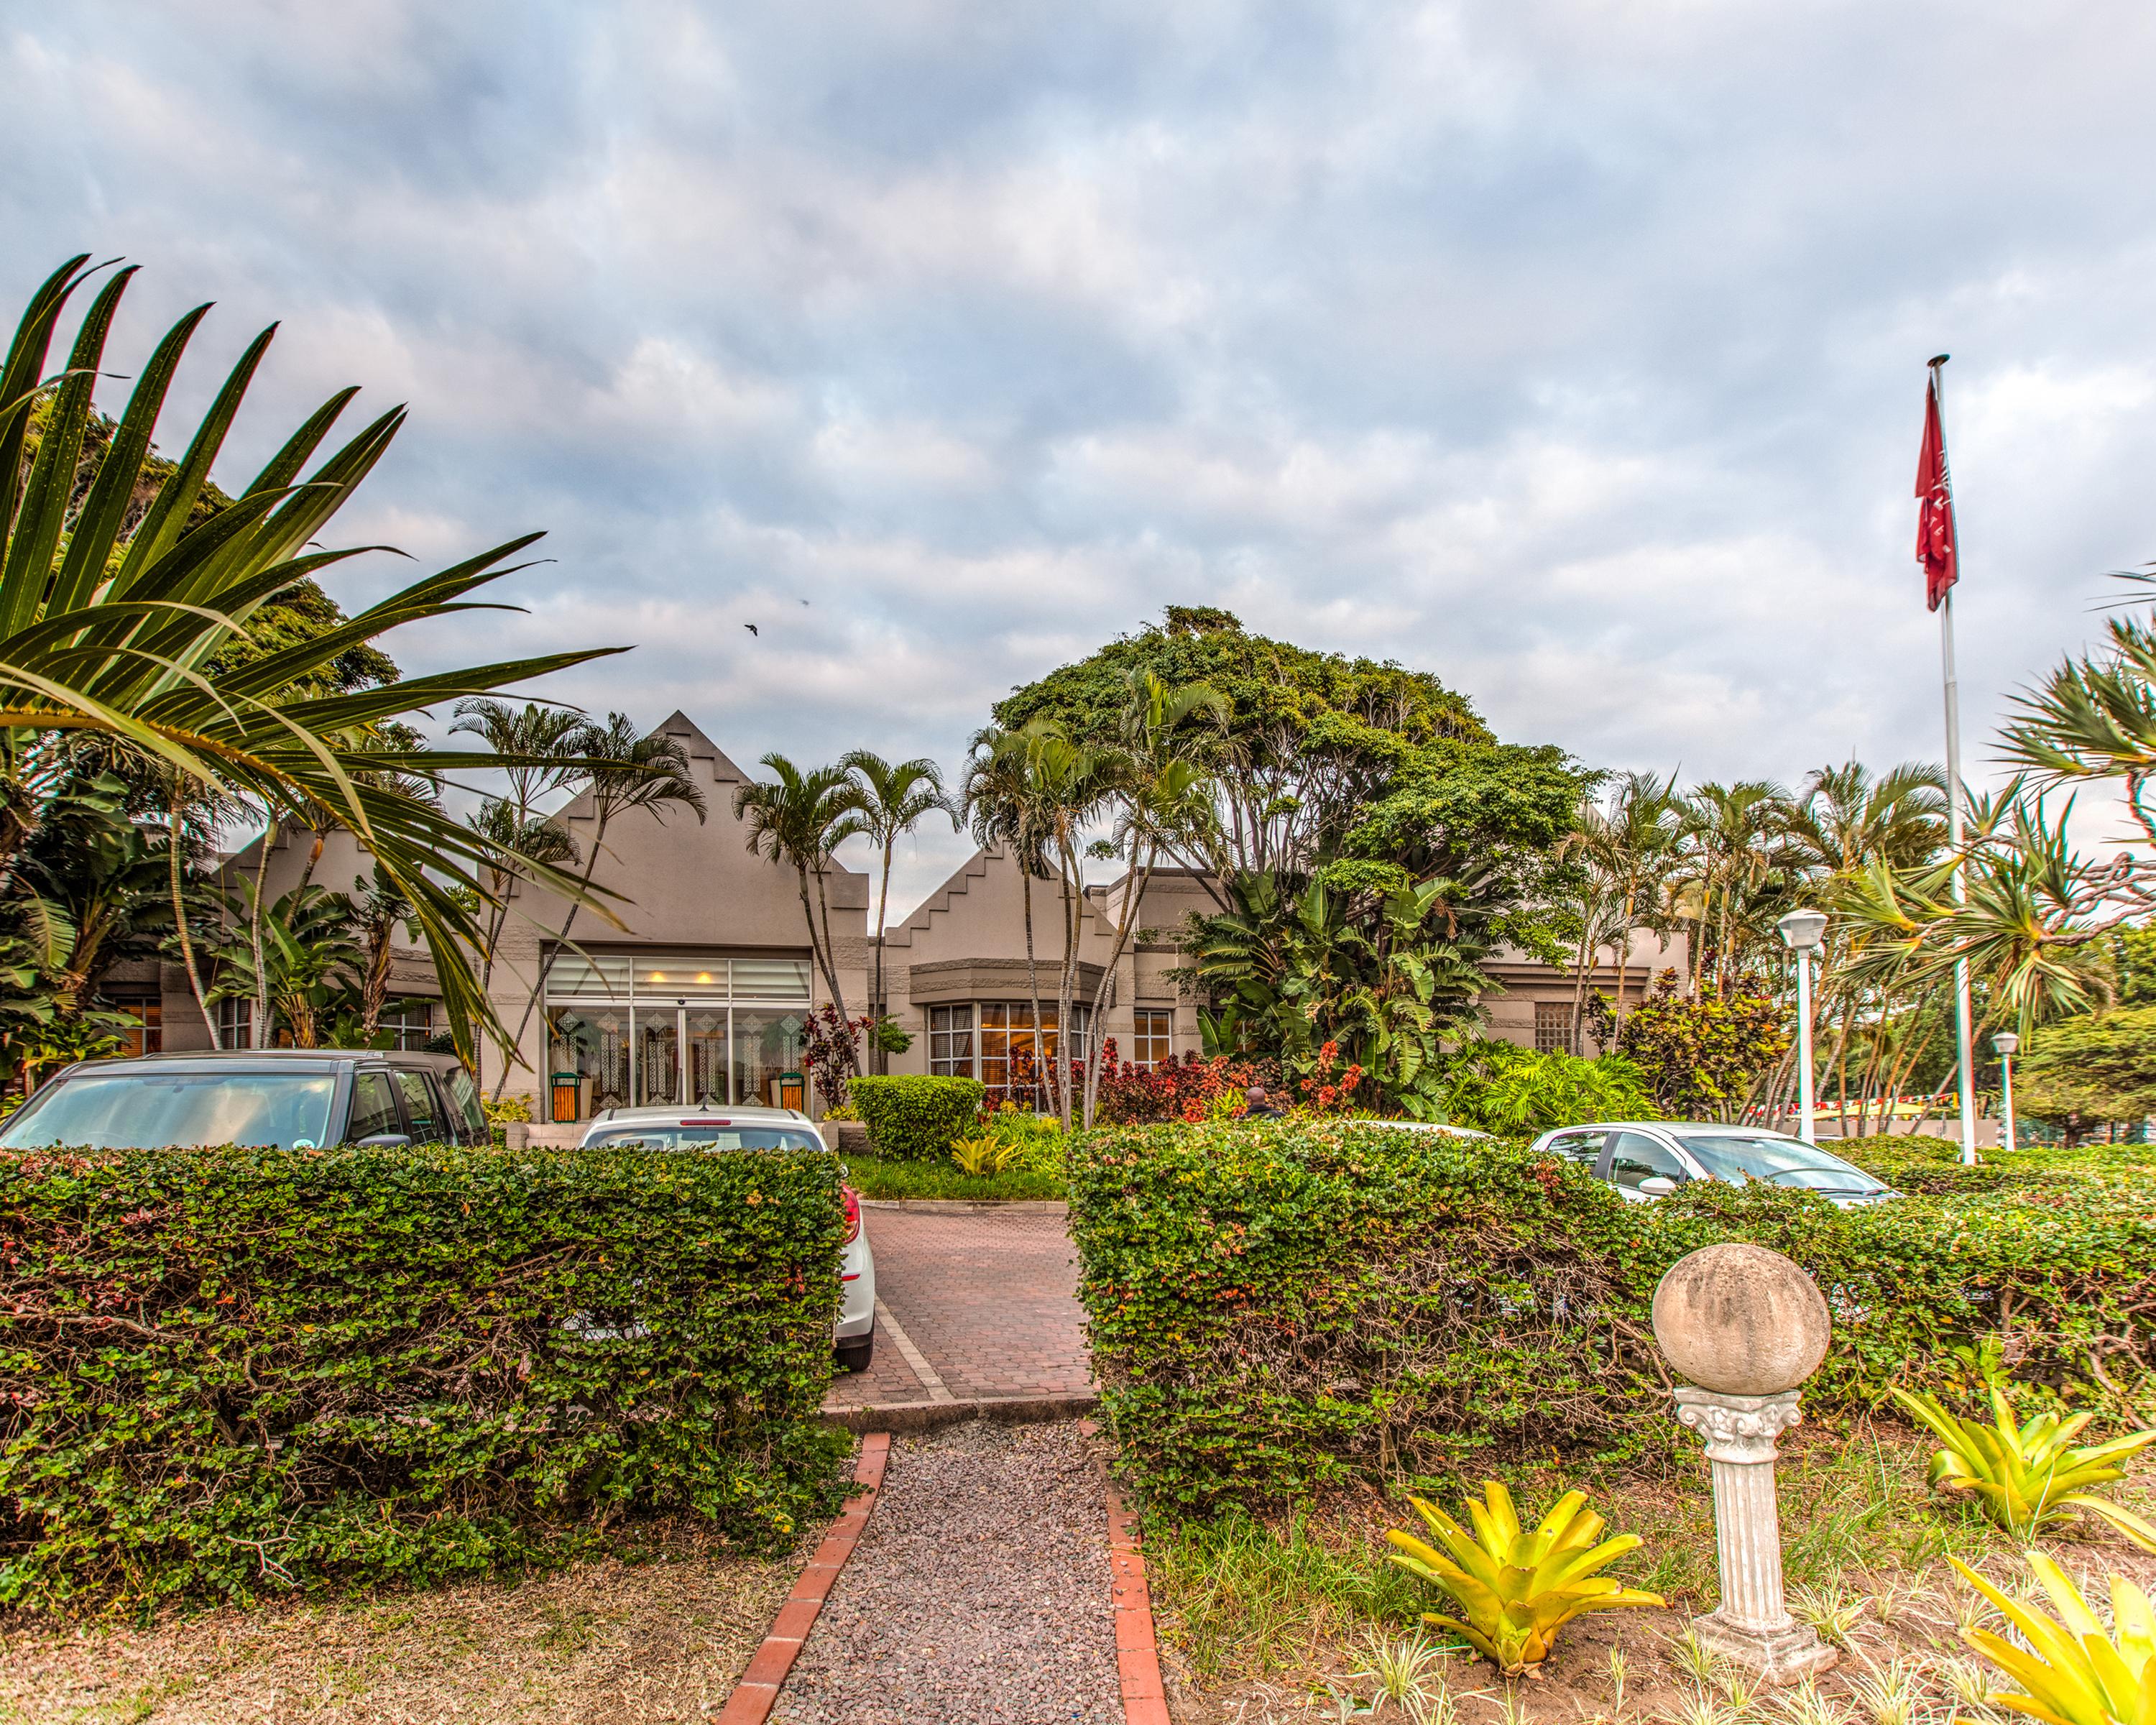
(1297, 1617)
(657, 1632)
(874, 1178)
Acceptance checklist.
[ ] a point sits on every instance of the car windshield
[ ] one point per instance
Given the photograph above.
(1737, 1157)
(149, 1111)
(663, 1137)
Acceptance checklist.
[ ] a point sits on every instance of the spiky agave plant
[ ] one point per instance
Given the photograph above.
(2070, 1671)
(1517, 1589)
(2030, 1474)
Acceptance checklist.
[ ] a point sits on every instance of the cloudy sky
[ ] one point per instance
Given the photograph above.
(1570, 349)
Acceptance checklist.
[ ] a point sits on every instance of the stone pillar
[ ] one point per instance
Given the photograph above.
(1749, 1327)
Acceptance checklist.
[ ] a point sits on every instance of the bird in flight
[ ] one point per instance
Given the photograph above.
(754, 630)
(804, 602)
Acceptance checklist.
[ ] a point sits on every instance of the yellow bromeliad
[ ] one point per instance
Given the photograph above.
(2030, 1474)
(1515, 1589)
(2071, 1672)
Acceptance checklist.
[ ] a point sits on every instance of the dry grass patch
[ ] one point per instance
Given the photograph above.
(658, 1632)
(1298, 1619)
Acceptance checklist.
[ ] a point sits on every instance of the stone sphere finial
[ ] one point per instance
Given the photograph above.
(1741, 1320)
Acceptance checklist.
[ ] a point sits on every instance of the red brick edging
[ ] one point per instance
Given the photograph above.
(757, 1691)
(1137, 1655)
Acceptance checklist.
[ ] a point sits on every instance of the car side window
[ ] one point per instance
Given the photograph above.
(1584, 1148)
(465, 1104)
(421, 1107)
(1634, 1157)
(373, 1108)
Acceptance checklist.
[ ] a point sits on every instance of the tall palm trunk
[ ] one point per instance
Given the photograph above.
(1074, 913)
(831, 961)
(877, 1058)
(1624, 956)
(258, 1032)
(547, 959)
(1032, 972)
(180, 925)
(1125, 924)
(815, 945)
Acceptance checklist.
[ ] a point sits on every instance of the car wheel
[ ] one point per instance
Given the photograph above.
(855, 1352)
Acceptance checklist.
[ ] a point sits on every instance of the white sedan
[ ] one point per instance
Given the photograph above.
(1647, 1159)
(752, 1129)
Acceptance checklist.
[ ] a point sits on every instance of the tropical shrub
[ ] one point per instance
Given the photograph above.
(1186, 1089)
(912, 1116)
(1699, 1056)
(1032, 1143)
(984, 1153)
(1277, 1304)
(139, 607)
(1502, 1088)
(1516, 1589)
(2030, 1474)
(242, 1372)
(2072, 1667)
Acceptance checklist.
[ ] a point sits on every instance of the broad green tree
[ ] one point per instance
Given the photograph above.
(2085, 1073)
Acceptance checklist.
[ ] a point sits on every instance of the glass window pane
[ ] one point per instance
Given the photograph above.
(771, 979)
(151, 1111)
(1634, 1157)
(373, 1108)
(707, 1056)
(767, 1041)
(680, 973)
(657, 1057)
(593, 1044)
(423, 1112)
(576, 973)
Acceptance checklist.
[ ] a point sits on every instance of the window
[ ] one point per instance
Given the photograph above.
(1634, 1157)
(950, 1041)
(1553, 1027)
(409, 1022)
(235, 1023)
(373, 1108)
(1149, 1036)
(147, 1034)
(464, 1104)
(1584, 1148)
(421, 1109)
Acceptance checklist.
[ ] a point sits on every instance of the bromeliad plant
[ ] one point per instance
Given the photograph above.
(2030, 1474)
(1516, 1589)
(2070, 1671)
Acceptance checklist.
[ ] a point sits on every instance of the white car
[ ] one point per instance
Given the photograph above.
(1647, 1159)
(720, 1130)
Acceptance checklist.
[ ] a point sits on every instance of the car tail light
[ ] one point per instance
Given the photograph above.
(853, 1203)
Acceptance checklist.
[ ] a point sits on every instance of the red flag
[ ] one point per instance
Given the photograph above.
(1935, 516)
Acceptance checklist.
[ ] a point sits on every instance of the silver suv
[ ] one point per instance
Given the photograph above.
(1648, 1159)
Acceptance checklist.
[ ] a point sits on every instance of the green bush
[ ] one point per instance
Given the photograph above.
(1276, 1305)
(238, 1372)
(915, 1118)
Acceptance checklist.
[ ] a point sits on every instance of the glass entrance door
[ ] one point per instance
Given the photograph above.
(704, 1033)
(658, 1056)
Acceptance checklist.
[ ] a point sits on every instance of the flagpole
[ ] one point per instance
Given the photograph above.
(1964, 1042)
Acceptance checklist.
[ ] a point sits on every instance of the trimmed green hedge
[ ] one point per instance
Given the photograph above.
(238, 1372)
(916, 1117)
(1275, 1306)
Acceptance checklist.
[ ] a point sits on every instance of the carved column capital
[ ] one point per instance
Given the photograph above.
(1740, 1428)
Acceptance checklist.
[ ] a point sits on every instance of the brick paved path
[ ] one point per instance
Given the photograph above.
(989, 1298)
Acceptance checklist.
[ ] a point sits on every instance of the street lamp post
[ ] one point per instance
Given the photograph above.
(2007, 1044)
(1800, 932)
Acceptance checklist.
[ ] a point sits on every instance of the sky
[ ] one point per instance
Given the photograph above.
(1571, 350)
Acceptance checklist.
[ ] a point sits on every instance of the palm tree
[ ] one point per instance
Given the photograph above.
(115, 608)
(1001, 801)
(1630, 847)
(886, 801)
(541, 747)
(1732, 834)
(791, 820)
(623, 771)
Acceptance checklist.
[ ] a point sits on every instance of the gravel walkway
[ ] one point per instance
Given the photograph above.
(979, 1593)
